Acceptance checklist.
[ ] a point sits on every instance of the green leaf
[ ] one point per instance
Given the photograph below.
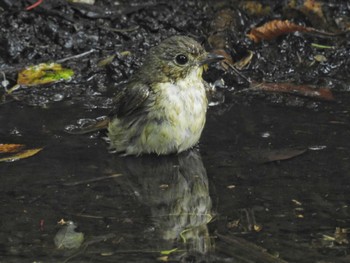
(44, 73)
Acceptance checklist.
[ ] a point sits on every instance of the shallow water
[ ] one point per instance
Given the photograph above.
(188, 202)
(268, 181)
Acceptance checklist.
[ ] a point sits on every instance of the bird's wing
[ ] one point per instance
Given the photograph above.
(134, 98)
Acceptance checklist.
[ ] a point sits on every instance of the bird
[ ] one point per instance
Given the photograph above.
(162, 109)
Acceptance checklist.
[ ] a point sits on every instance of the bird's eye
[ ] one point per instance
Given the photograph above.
(181, 59)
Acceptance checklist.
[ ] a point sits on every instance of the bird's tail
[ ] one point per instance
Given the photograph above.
(88, 128)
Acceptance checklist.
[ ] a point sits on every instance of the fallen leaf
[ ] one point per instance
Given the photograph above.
(255, 8)
(219, 29)
(21, 155)
(168, 252)
(233, 224)
(163, 259)
(268, 155)
(257, 228)
(276, 28)
(10, 148)
(320, 58)
(62, 222)
(273, 29)
(43, 73)
(106, 61)
(296, 202)
(341, 235)
(67, 238)
(312, 6)
(301, 90)
(222, 21)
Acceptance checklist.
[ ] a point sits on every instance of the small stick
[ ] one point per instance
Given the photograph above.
(76, 56)
(92, 180)
(34, 5)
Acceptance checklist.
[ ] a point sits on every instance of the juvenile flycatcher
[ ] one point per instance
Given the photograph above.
(163, 107)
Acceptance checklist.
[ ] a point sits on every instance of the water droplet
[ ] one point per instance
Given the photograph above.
(71, 128)
(16, 132)
(265, 134)
(317, 147)
(57, 97)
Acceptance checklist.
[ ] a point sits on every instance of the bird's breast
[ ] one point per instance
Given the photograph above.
(181, 110)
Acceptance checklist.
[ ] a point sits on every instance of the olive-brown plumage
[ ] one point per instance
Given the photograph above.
(163, 107)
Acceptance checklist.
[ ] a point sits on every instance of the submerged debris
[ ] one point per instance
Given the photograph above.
(67, 237)
(19, 152)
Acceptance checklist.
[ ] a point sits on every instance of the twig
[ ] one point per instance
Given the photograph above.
(122, 30)
(92, 180)
(96, 217)
(76, 56)
(34, 5)
(240, 74)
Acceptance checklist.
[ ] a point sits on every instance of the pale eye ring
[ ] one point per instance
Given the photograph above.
(181, 59)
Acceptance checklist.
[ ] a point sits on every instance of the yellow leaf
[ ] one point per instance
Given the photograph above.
(21, 155)
(168, 252)
(106, 61)
(313, 6)
(163, 259)
(43, 73)
(10, 148)
(257, 227)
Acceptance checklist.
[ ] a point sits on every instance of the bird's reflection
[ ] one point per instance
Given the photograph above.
(175, 188)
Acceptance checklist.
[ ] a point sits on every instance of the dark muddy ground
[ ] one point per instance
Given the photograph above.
(233, 198)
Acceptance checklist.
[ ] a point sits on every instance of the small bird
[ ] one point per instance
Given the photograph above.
(163, 107)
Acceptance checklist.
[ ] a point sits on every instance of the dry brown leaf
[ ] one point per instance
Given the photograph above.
(314, 7)
(10, 148)
(273, 155)
(223, 20)
(341, 235)
(21, 155)
(273, 29)
(222, 23)
(276, 28)
(255, 8)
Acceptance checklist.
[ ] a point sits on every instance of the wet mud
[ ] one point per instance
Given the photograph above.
(268, 182)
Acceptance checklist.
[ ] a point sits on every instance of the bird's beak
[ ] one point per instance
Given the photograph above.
(210, 58)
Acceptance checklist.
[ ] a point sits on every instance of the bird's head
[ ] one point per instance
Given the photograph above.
(175, 58)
